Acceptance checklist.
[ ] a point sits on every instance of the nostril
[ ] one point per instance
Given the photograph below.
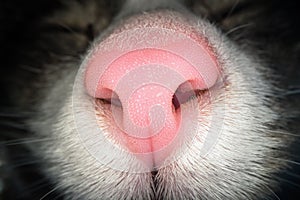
(183, 94)
(112, 101)
(175, 102)
(180, 98)
(116, 102)
(108, 96)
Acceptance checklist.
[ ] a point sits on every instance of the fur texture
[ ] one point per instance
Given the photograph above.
(253, 144)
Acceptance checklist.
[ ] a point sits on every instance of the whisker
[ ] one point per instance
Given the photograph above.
(293, 162)
(285, 133)
(289, 182)
(8, 135)
(13, 113)
(51, 191)
(24, 141)
(290, 92)
(22, 164)
(37, 185)
(70, 29)
(67, 29)
(276, 196)
(14, 125)
(234, 6)
(58, 196)
(31, 69)
(237, 28)
(293, 175)
(288, 161)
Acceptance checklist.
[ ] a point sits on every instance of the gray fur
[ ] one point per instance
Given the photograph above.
(243, 164)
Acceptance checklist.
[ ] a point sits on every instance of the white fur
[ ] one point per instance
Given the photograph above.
(239, 166)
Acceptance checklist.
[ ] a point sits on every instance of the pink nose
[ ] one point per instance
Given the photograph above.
(149, 78)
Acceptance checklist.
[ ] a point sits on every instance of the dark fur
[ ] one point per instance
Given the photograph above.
(269, 29)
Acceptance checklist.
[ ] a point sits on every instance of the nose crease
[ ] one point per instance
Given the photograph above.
(148, 109)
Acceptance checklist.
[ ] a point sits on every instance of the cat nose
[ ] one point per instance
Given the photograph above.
(145, 82)
(146, 73)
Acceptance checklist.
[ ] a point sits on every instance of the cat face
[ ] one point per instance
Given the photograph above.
(161, 100)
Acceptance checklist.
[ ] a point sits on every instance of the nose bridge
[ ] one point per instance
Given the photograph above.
(148, 109)
(143, 99)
